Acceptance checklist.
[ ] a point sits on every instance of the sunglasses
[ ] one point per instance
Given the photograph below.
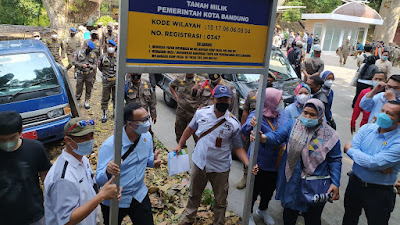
(82, 124)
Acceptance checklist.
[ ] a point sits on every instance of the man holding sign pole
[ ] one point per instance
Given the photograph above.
(219, 132)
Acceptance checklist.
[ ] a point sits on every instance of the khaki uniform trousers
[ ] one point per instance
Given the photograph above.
(220, 186)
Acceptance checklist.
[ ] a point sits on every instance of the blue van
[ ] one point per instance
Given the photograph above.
(32, 84)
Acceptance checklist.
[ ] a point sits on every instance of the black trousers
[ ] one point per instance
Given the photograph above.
(378, 203)
(311, 217)
(297, 69)
(140, 213)
(264, 185)
(359, 88)
(308, 48)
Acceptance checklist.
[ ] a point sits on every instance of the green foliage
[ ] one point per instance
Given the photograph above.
(20, 12)
(321, 6)
(292, 14)
(208, 197)
(43, 20)
(105, 20)
(375, 4)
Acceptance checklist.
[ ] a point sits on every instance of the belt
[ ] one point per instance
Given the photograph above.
(85, 72)
(370, 185)
(109, 78)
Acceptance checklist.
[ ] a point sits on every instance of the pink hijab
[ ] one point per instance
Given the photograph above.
(272, 99)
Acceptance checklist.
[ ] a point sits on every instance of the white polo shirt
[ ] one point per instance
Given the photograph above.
(206, 154)
(68, 185)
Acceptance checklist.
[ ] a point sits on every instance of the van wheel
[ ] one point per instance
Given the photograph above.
(169, 100)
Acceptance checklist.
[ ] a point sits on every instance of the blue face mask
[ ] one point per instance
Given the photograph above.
(143, 128)
(384, 121)
(309, 122)
(384, 58)
(84, 148)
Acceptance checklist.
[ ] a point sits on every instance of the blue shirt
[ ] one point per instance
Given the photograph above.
(133, 168)
(373, 105)
(206, 154)
(373, 152)
(289, 193)
(293, 111)
(267, 154)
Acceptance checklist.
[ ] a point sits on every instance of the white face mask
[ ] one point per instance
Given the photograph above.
(375, 82)
(328, 83)
(280, 107)
(302, 98)
(110, 50)
(54, 36)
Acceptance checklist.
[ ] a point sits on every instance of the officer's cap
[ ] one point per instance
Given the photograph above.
(53, 31)
(214, 76)
(110, 24)
(100, 23)
(79, 127)
(111, 42)
(222, 91)
(116, 24)
(91, 45)
(81, 27)
(73, 29)
(94, 32)
(36, 34)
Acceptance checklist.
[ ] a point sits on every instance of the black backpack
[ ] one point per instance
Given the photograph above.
(369, 68)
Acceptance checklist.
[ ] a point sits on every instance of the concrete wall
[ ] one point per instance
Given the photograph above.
(309, 26)
(11, 32)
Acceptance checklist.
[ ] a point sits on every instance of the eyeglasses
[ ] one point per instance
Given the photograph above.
(82, 124)
(143, 120)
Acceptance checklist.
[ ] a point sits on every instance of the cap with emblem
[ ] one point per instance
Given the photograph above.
(109, 24)
(214, 77)
(99, 24)
(91, 45)
(222, 91)
(79, 127)
(73, 29)
(111, 42)
(93, 32)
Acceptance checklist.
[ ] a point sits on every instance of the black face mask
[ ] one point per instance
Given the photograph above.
(270, 84)
(72, 34)
(190, 78)
(110, 31)
(94, 36)
(88, 50)
(222, 107)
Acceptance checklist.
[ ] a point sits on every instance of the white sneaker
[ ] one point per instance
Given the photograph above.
(251, 220)
(265, 216)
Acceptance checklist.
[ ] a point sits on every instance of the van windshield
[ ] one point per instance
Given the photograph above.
(26, 73)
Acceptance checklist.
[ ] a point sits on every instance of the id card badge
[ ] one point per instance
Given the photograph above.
(218, 142)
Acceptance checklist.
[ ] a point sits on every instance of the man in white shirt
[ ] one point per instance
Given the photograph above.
(219, 133)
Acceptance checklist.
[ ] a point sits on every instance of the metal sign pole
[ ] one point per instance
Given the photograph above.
(119, 100)
(259, 115)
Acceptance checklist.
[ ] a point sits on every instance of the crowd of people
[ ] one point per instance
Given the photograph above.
(300, 153)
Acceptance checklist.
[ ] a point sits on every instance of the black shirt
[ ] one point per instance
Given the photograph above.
(21, 198)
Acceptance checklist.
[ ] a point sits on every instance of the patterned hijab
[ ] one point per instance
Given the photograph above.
(311, 144)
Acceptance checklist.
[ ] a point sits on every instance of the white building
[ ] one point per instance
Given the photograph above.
(348, 21)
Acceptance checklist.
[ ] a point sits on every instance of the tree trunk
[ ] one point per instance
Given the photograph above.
(60, 14)
(56, 10)
(390, 13)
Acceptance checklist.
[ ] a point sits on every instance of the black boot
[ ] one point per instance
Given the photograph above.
(104, 118)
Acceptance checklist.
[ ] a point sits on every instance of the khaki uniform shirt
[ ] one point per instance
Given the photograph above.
(96, 44)
(208, 87)
(345, 49)
(108, 66)
(106, 37)
(189, 99)
(73, 45)
(384, 66)
(54, 47)
(250, 104)
(81, 58)
(142, 94)
(313, 65)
